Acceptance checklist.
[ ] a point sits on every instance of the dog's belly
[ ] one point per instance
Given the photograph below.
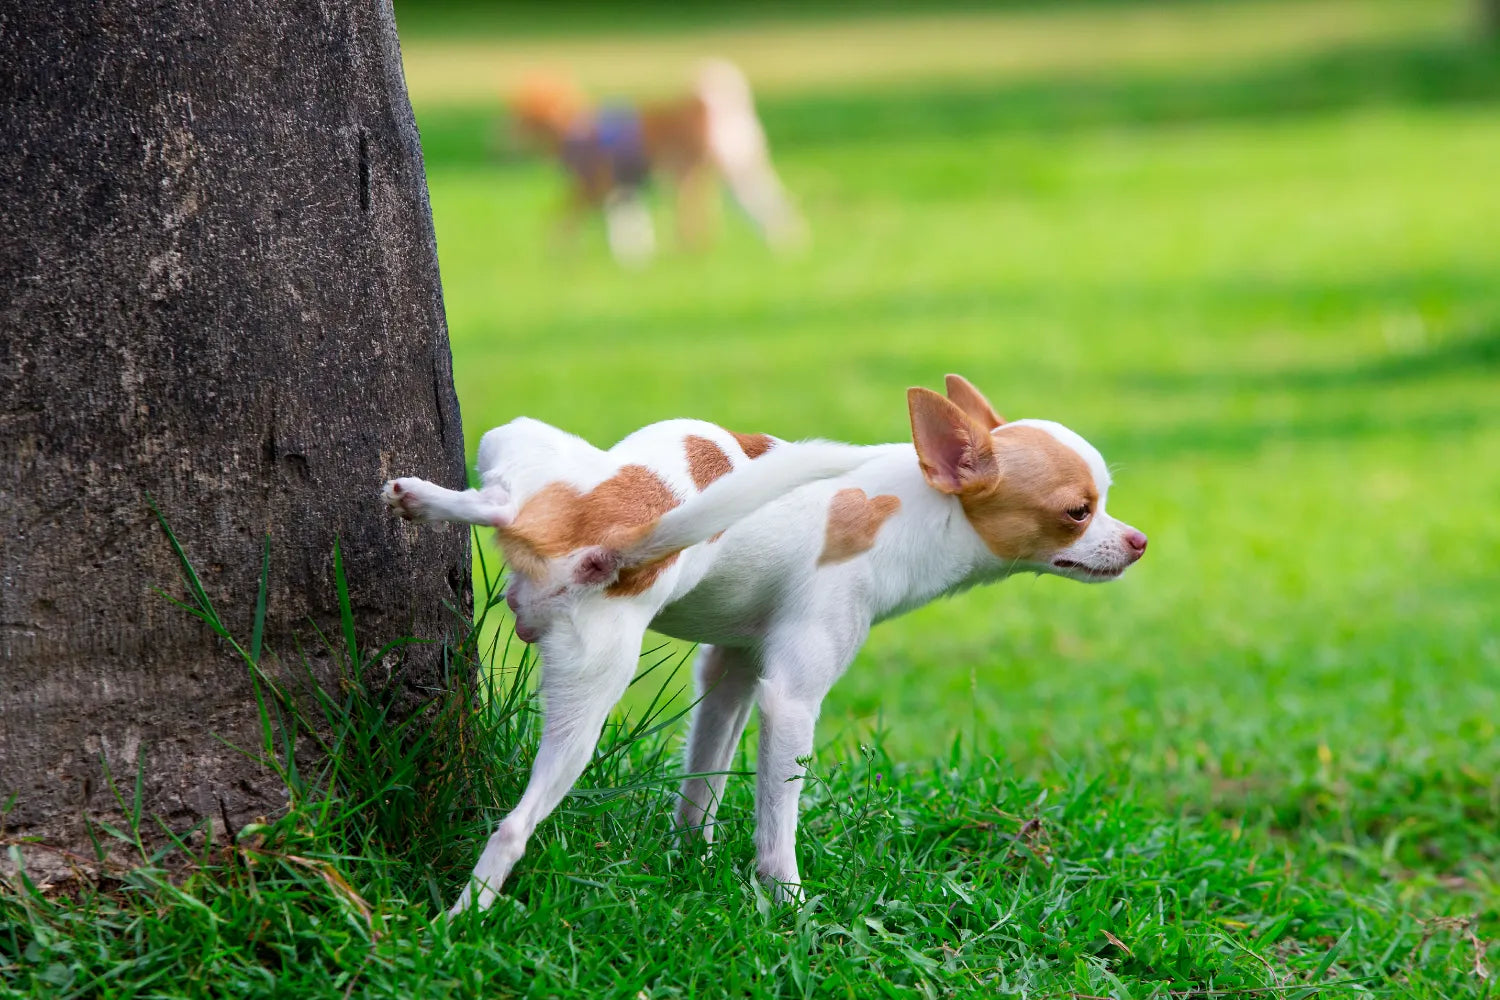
(740, 588)
(717, 613)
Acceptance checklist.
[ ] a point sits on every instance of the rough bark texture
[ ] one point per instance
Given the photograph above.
(218, 284)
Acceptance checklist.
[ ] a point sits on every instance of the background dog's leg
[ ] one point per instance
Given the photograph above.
(799, 669)
(726, 680)
(697, 206)
(584, 673)
(418, 500)
(754, 184)
(627, 222)
(570, 217)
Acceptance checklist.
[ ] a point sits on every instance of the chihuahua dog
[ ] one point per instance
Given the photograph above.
(610, 153)
(777, 556)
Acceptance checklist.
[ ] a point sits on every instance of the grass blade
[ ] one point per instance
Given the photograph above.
(346, 613)
(259, 629)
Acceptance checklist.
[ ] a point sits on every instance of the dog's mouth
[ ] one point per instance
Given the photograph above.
(1086, 571)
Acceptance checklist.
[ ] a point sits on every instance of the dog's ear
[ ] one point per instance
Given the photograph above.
(969, 399)
(955, 452)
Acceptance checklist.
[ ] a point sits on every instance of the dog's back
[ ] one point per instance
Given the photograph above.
(634, 508)
(571, 496)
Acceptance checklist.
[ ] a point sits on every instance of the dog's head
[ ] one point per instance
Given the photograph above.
(1033, 490)
(546, 107)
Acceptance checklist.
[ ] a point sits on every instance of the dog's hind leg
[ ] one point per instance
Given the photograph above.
(726, 690)
(585, 670)
(418, 500)
(758, 190)
(801, 664)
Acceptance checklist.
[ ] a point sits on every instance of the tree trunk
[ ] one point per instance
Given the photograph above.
(1489, 19)
(218, 285)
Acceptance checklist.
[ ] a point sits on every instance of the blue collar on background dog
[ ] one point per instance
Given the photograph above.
(611, 140)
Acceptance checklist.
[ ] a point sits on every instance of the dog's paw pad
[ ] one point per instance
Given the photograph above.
(400, 495)
(501, 509)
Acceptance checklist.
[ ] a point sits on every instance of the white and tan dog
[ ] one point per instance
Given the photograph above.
(778, 556)
(610, 153)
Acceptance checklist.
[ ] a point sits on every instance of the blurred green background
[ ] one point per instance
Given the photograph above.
(1249, 249)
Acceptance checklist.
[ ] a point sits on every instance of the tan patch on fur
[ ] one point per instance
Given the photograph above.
(706, 460)
(754, 445)
(558, 519)
(854, 520)
(675, 134)
(638, 579)
(1022, 514)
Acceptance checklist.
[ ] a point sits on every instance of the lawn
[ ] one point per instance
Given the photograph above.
(1251, 252)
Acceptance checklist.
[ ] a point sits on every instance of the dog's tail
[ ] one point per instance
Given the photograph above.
(737, 143)
(730, 498)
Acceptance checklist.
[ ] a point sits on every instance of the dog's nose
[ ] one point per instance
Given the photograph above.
(1137, 542)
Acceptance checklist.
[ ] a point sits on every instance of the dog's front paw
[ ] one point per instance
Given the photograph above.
(500, 855)
(788, 892)
(479, 897)
(404, 497)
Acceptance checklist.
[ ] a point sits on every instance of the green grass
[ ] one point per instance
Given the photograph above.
(954, 875)
(1268, 758)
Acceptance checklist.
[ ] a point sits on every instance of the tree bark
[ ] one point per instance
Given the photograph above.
(1489, 19)
(218, 285)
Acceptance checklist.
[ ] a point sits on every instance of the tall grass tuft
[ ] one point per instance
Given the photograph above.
(383, 815)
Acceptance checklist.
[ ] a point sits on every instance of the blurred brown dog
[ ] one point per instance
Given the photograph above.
(611, 152)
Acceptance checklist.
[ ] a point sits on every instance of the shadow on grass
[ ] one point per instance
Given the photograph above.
(1365, 419)
(1475, 353)
(1245, 438)
(999, 300)
(1426, 73)
(581, 18)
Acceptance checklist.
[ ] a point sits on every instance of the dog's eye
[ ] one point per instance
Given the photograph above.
(1079, 513)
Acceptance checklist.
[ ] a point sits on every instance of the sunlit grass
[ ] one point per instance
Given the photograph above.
(1269, 295)
(1265, 763)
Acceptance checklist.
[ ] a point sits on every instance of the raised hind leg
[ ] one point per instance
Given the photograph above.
(587, 662)
(419, 500)
(726, 680)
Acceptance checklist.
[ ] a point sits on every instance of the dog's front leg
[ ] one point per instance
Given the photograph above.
(587, 663)
(627, 224)
(800, 668)
(697, 206)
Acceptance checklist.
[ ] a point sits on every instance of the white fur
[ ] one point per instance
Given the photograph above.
(779, 628)
(628, 226)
